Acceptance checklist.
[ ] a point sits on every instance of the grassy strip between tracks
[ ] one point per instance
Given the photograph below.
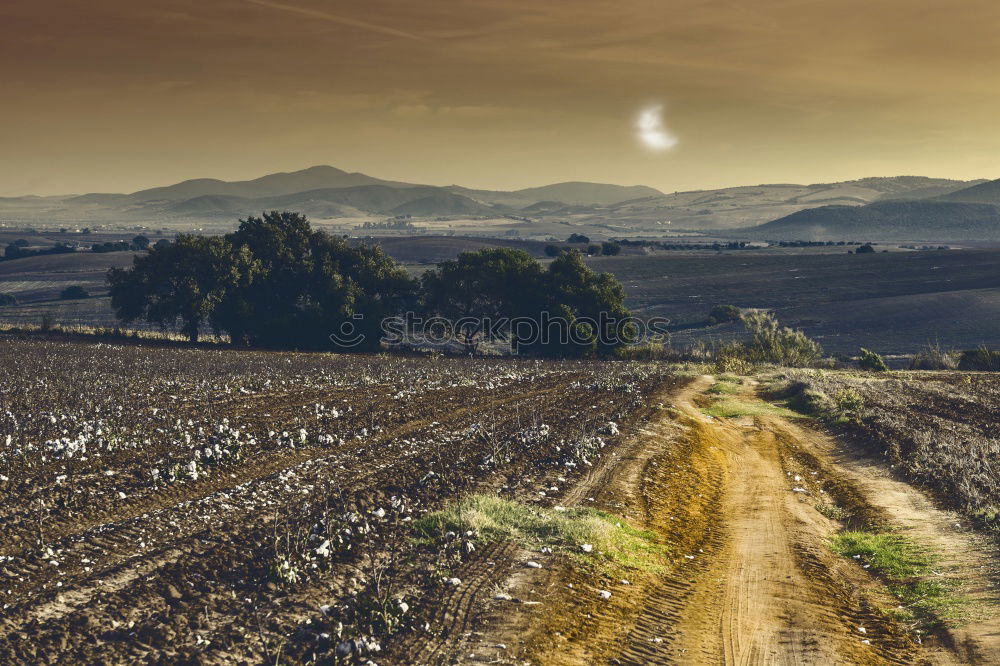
(591, 538)
(926, 598)
(729, 399)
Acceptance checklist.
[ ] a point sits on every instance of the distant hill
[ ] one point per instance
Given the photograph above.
(987, 192)
(329, 202)
(937, 221)
(571, 193)
(597, 209)
(748, 205)
(276, 184)
(587, 193)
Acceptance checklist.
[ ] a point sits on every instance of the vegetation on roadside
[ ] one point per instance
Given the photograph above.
(981, 359)
(591, 538)
(871, 361)
(770, 343)
(934, 357)
(926, 599)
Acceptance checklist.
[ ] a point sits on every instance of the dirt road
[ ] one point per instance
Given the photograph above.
(751, 577)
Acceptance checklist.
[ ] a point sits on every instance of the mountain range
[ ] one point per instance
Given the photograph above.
(879, 208)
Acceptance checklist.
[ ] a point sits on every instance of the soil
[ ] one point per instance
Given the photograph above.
(751, 577)
(102, 563)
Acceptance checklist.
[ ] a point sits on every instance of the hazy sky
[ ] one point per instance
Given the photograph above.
(117, 95)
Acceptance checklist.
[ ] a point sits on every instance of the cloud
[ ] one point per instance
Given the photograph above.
(343, 20)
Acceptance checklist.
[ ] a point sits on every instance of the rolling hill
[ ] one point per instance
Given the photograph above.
(745, 206)
(598, 209)
(331, 202)
(926, 220)
(276, 184)
(988, 193)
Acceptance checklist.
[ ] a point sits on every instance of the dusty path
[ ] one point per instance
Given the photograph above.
(963, 555)
(751, 578)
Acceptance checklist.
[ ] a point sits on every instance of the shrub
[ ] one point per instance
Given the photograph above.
(8, 299)
(577, 238)
(772, 343)
(73, 292)
(865, 249)
(980, 359)
(551, 251)
(721, 314)
(734, 358)
(611, 248)
(849, 403)
(651, 350)
(593, 249)
(871, 361)
(933, 357)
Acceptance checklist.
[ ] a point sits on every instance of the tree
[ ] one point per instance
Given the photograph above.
(611, 248)
(593, 249)
(309, 286)
(865, 249)
(479, 288)
(563, 310)
(184, 280)
(274, 282)
(140, 242)
(73, 292)
(577, 238)
(552, 251)
(590, 305)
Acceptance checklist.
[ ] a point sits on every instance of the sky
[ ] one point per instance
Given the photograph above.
(119, 95)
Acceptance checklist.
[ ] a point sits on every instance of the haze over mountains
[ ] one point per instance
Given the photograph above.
(873, 208)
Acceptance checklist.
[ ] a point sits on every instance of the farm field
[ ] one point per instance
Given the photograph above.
(216, 506)
(159, 502)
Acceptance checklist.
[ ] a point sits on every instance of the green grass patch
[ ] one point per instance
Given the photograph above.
(729, 408)
(924, 597)
(616, 545)
(724, 387)
(891, 555)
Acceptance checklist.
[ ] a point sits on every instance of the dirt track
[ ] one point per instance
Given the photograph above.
(752, 579)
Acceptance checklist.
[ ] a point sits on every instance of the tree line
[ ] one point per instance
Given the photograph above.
(277, 283)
